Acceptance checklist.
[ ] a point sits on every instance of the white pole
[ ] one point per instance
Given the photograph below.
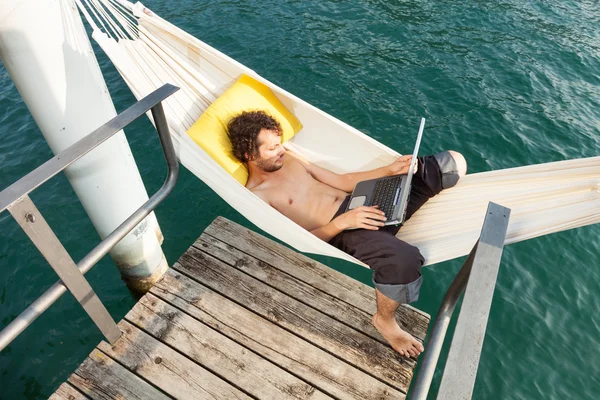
(47, 53)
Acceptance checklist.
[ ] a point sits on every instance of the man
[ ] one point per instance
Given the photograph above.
(316, 199)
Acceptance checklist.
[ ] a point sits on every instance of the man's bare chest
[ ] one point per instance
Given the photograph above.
(293, 188)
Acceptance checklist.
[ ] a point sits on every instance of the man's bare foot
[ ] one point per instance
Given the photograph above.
(400, 340)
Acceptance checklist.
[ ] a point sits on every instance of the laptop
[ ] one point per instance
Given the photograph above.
(390, 193)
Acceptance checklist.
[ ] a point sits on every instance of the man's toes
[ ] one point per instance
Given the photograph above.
(417, 351)
(417, 345)
(413, 352)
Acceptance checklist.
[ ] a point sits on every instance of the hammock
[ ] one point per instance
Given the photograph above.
(148, 52)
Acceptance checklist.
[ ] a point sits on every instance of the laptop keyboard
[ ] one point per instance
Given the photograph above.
(384, 194)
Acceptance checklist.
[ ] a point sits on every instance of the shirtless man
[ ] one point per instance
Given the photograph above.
(316, 199)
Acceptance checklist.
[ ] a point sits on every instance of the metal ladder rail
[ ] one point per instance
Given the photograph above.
(477, 278)
(15, 198)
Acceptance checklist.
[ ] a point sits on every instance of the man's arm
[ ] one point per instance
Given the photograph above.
(370, 218)
(347, 182)
(327, 232)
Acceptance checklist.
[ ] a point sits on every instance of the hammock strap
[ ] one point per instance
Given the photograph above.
(115, 20)
(123, 17)
(100, 14)
(87, 16)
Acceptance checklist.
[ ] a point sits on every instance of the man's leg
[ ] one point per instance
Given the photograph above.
(435, 173)
(397, 264)
(385, 322)
(397, 279)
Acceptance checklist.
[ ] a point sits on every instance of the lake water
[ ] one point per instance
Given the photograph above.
(506, 83)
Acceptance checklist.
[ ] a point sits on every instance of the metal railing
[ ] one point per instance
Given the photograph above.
(16, 199)
(477, 278)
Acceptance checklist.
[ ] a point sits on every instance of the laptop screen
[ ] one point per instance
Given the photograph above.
(413, 162)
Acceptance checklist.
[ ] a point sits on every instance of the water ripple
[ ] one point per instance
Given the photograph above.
(507, 83)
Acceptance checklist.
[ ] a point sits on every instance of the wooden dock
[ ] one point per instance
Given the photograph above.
(242, 317)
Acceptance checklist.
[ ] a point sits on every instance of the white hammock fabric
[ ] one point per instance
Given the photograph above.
(148, 52)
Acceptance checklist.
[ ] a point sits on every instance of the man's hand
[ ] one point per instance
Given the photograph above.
(401, 166)
(361, 217)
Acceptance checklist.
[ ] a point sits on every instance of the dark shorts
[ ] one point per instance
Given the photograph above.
(396, 264)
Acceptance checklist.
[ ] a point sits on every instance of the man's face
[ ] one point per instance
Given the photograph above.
(270, 151)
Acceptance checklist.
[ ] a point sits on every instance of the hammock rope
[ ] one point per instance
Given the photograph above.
(148, 52)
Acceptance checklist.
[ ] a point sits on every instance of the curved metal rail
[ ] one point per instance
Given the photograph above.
(15, 198)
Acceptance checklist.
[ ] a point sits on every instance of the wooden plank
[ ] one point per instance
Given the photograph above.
(165, 368)
(301, 291)
(67, 392)
(341, 286)
(312, 272)
(234, 363)
(101, 378)
(272, 342)
(350, 345)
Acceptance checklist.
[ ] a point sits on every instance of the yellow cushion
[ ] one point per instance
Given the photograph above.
(247, 94)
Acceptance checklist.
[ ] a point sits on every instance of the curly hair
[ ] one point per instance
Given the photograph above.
(243, 132)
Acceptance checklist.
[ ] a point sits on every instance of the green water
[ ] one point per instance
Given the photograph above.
(506, 83)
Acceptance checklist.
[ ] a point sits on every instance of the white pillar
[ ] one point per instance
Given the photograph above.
(46, 51)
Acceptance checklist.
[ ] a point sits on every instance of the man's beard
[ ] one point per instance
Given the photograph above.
(268, 165)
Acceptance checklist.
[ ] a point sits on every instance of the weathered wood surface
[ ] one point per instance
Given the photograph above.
(216, 352)
(283, 348)
(116, 383)
(314, 273)
(299, 290)
(321, 330)
(240, 317)
(172, 372)
(67, 392)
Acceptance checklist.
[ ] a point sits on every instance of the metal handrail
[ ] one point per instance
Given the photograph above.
(16, 196)
(481, 258)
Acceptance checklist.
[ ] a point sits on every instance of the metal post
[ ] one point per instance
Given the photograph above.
(485, 256)
(35, 226)
(420, 388)
(463, 358)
